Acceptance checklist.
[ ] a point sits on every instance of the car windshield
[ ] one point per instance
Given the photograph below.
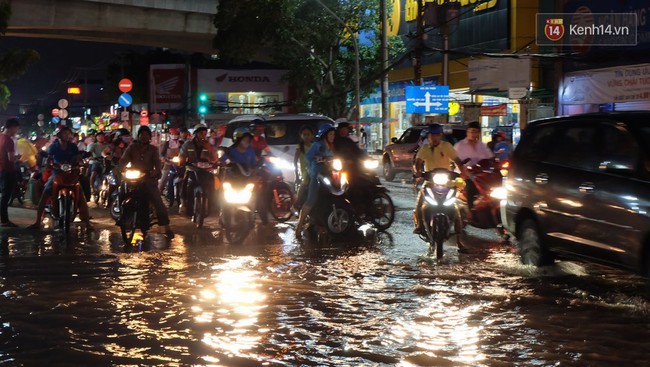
(286, 132)
(410, 136)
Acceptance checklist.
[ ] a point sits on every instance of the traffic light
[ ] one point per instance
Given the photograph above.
(203, 100)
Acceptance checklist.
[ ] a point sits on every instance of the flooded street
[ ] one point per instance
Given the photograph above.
(199, 301)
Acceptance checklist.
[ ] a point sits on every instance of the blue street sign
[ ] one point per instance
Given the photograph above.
(56, 120)
(125, 100)
(427, 99)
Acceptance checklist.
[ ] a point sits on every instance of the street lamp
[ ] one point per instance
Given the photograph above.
(355, 43)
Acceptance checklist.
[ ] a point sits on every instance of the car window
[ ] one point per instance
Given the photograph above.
(410, 136)
(535, 145)
(576, 147)
(287, 132)
(619, 147)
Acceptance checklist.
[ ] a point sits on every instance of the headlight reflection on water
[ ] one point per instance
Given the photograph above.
(233, 303)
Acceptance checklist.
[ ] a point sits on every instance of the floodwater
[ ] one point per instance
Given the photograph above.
(375, 301)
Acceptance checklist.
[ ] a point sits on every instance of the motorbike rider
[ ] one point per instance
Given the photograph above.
(473, 149)
(243, 153)
(436, 153)
(502, 147)
(194, 151)
(258, 141)
(61, 151)
(144, 156)
(96, 164)
(170, 149)
(322, 148)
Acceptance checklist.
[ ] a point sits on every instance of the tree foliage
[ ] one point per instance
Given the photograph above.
(315, 47)
(13, 62)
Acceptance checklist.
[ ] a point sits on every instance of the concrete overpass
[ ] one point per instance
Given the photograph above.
(176, 24)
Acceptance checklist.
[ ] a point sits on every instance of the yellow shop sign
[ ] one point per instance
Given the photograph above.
(411, 7)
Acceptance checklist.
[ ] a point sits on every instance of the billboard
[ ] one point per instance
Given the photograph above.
(168, 86)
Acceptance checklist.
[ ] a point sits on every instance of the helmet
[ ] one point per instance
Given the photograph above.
(200, 127)
(144, 129)
(474, 125)
(60, 129)
(240, 133)
(343, 124)
(91, 132)
(323, 130)
(122, 131)
(433, 129)
(256, 123)
(174, 131)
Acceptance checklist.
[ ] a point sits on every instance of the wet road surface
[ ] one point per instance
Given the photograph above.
(378, 300)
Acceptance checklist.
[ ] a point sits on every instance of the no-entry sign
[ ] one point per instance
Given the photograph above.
(125, 85)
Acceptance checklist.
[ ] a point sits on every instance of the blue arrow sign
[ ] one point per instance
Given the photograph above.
(56, 120)
(427, 99)
(125, 100)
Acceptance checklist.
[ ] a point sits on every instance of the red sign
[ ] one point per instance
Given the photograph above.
(144, 120)
(144, 113)
(554, 29)
(55, 112)
(498, 110)
(168, 87)
(125, 85)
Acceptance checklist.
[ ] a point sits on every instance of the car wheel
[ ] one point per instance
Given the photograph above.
(531, 247)
(389, 172)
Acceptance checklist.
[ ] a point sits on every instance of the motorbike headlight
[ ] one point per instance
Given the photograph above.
(499, 193)
(132, 174)
(176, 160)
(281, 163)
(344, 179)
(66, 167)
(234, 196)
(440, 179)
(337, 164)
(371, 164)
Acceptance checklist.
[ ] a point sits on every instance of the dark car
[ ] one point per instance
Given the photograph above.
(398, 156)
(579, 187)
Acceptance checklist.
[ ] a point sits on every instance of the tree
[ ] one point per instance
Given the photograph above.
(315, 48)
(13, 62)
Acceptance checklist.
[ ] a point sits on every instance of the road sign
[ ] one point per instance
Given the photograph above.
(144, 113)
(144, 120)
(124, 116)
(63, 113)
(125, 85)
(40, 117)
(125, 100)
(56, 120)
(63, 103)
(428, 99)
(55, 112)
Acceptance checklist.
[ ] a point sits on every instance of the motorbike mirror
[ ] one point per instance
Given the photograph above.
(394, 140)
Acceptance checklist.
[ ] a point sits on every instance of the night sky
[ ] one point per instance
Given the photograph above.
(46, 80)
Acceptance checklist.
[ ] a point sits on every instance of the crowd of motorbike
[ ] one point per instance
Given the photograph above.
(350, 195)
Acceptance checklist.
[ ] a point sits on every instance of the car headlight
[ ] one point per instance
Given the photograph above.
(132, 174)
(499, 193)
(371, 164)
(337, 164)
(234, 196)
(440, 179)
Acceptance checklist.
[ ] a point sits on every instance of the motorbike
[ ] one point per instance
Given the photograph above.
(135, 210)
(333, 214)
(172, 188)
(281, 196)
(439, 190)
(487, 177)
(22, 179)
(238, 204)
(370, 198)
(200, 199)
(66, 191)
(108, 190)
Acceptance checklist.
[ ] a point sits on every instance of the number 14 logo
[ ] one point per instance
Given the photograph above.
(554, 29)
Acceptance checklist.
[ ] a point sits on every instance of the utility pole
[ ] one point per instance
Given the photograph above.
(417, 62)
(385, 126)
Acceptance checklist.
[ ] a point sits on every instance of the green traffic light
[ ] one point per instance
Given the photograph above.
(203, 97)
(203, 109)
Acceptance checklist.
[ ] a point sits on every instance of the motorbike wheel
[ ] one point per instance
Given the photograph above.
(128, 225)
(382, 211)
(65, 210)
(199, 212)
(439, 238)
(115, 210)
(338, 221)
(281, 208)
(237, 226)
